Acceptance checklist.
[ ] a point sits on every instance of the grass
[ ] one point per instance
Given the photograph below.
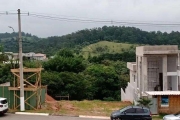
(91, 108)
(104, 47)
(94, 108)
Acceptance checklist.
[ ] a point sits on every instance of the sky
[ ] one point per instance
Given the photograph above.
(113, 11)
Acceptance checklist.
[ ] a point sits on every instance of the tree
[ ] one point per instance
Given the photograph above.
(65, 61)
(144, 102)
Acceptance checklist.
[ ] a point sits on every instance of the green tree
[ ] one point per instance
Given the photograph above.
(144, 102)
(64, 61)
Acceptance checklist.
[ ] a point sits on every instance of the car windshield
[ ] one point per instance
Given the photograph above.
(3, 101)
(123, 109)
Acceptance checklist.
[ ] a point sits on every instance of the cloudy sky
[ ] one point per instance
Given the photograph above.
(46, 17)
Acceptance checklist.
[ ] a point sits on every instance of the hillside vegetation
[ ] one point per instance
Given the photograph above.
(10, 42)
(104, 47)
(82, 38)
(101, 75)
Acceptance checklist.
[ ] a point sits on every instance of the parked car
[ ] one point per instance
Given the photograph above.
(3, 105)
(132, 113)
(175, 116)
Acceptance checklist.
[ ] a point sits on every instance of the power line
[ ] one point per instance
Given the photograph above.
(103, 21)
(89, 20)
(93, 18)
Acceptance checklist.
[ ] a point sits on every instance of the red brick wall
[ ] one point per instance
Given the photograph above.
(174, 105)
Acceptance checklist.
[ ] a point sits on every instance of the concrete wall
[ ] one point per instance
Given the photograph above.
(172, 63)
(133, 80)
(152, 72)
(174, 83)
(128, 94)
(131, 66)
(123, 95)
(140, 51)
(139, 72)
(157, 49)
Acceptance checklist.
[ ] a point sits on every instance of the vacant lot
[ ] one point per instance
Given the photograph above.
(94, 108)
(75, 108)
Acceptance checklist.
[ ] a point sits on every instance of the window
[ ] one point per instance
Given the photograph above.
(145, 111)
(164, 101)
(130, 110)
(134, 78)
(139, 110)
(3, 101)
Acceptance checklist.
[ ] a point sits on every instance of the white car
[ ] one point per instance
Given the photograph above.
(172, 117)
(3, 105)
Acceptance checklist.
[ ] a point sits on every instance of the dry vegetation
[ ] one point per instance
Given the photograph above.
(90, 108)
(74, 108)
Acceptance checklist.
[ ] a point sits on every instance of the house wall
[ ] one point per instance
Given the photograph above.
(174, 83)
(153, 72)
(128, 94)
(171, 63)
(174, 105)
(133, 80)
(139, 72)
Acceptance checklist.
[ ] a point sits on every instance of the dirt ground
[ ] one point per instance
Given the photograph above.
(85, 107)
(95, 107)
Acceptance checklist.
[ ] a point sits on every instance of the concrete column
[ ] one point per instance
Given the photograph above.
(144, 74)
(140, 74)
(137, 71)
(165, 73)
(178, 72)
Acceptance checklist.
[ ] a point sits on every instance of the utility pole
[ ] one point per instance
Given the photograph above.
(21, 64)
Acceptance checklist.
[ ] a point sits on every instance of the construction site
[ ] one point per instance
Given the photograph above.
(34, 93)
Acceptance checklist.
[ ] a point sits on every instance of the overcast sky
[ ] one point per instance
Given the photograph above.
(159, 11)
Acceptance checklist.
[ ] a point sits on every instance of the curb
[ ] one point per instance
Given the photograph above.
(95, 117)
(27, 113)
(63, 115)
(47, 114)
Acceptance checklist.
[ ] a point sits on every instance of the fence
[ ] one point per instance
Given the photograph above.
(14, 102)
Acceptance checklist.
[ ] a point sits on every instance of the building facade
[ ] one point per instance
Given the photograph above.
(31, 56)
(155, 74)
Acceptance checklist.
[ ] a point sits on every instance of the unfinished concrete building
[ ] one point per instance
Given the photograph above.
(155, 74)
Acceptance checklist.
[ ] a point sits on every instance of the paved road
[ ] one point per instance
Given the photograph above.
(32, 117)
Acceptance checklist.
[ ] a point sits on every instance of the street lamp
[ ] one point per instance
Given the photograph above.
(15, 37)
(11, 28)
(22, 107)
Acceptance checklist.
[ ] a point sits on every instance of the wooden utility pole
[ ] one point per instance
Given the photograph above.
(22, 108)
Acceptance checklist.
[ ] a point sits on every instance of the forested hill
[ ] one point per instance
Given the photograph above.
(85, 37)
(9, 41)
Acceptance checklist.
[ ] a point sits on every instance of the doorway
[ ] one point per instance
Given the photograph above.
(161, 81)
(153, 107)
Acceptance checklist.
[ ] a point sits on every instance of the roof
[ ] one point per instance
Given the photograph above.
(157, 50)
(39, 55)
(163, 92)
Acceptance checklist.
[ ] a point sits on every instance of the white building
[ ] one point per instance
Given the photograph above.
(31, 56)
(156, 69)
